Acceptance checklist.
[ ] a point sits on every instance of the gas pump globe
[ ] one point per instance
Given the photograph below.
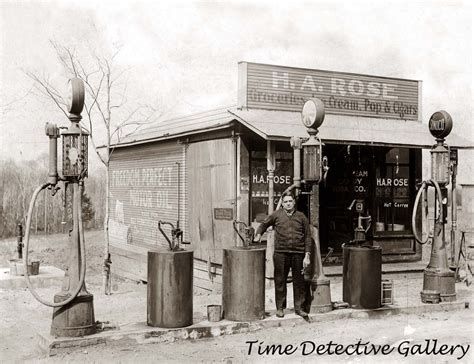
(440, 126)
(312, 116)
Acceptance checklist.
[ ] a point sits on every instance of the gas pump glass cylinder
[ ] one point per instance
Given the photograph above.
(312, 163)
(75, 154)
(440, 164)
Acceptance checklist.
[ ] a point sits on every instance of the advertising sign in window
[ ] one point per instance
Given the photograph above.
(259, 179)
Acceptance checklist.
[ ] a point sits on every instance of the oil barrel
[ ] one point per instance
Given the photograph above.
(170, 288)
(362, 276)
(243, 283)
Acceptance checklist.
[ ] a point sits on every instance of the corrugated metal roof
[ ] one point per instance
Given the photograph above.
(178, 127)
(281, 125)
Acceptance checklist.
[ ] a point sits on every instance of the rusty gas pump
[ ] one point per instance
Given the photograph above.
(242, 264)
(73, 313)
(361, 265)
(314, 170)
(248, 235)
(438, 279)
(170, 277)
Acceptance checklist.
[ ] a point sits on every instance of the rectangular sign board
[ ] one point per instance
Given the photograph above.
(223, 214)
(285, 88)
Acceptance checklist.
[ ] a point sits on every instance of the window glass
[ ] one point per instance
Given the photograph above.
(282, 179)
(392, 192)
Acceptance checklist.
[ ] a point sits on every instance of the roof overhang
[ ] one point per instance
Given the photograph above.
(282, 125)
(342, 129)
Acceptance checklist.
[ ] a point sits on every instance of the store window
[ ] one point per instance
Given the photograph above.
(283, 178)
(393, 192)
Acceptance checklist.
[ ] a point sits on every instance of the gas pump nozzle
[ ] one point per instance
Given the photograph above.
(176, 235)
(249, 233)
(359, 231)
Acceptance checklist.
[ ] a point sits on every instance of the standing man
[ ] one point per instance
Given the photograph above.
(292, 250)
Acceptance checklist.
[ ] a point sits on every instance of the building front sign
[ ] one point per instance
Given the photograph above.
(285, 88)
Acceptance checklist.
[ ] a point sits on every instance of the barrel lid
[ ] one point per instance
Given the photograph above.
(362, 248)
(167, 251)
(248, 249)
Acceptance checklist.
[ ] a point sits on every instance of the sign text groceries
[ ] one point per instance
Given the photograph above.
(341, 90)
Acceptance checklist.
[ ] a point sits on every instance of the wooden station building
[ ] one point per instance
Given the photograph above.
(211, 168)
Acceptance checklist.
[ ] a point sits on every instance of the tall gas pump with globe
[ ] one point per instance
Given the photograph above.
(312, 116)
(73, 313)
(438, 279)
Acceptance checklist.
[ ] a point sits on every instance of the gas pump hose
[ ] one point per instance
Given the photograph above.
(424, 186)
(25, 255)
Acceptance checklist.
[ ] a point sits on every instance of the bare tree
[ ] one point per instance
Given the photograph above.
(107, 106)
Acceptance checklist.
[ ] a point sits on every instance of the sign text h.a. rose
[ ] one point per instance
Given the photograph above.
(285, 88)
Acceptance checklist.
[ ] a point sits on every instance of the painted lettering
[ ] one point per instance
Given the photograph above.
(343, 104)
(280, 77)
(373, 89)
(386, 88)
(162, 200)
(356, 87)
(337, 86)
(360, 173)
(141, 198)
(308, 83)
(401, 205)
(388, 182)
(276, 179)
(437, 125)
(402, 109)
(372, 106)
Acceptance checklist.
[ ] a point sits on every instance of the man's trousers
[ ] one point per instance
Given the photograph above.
(282, 262)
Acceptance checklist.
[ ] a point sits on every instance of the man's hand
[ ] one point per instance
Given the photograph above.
(307, 260)
(257, 238)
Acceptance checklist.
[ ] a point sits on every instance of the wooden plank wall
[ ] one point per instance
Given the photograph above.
(211, 183)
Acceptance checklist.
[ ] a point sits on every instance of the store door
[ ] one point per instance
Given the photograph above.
(211, 180)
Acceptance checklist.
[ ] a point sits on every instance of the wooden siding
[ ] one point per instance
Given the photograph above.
(211, 182)
(285, 88)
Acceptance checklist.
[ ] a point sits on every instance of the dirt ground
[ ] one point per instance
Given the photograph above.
(22, 317)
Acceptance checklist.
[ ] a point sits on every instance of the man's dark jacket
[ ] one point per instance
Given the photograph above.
(292, 233)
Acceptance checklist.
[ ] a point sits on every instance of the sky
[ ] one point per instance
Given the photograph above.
(182, 56)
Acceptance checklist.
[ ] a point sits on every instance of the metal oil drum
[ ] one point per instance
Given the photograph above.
(243, 283)
(362, 276)
(170, 288)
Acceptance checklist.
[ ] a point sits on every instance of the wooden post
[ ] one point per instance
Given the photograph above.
(45, 212)
(271, 174)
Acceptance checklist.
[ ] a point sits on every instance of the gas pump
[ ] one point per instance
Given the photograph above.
(242, 301)
(312, 116)
(361, 265)
(170, 278)
(176, 235)
(73, 313)
(438, 279)
(249, 233)
(360, 232)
